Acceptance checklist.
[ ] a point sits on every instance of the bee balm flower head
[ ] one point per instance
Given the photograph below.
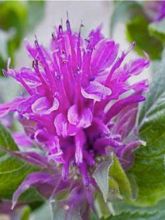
(79, 104)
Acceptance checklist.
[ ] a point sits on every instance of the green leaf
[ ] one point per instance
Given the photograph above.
(32, 197)
(25, 215)
(12, 170)
(137, 30)
(114, 189)
(109, 175)
(6, 141)
(101, 206)
(129, 212)
(149, 166)
(116, 171)
(113, 183)
(132, 216)
(157, 29)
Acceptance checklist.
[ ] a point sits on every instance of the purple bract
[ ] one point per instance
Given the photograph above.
(80, 104)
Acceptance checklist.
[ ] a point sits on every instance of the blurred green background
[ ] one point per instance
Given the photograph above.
(17, 18)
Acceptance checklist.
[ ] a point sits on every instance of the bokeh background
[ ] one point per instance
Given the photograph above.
(90, 13)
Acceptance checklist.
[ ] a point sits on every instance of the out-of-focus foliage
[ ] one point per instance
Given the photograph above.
(157, 29)
(139, 28)
(16, 19)
(148, 169)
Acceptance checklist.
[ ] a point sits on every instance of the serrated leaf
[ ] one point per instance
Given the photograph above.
(129, 212)
(130, 216)
(149, 166)
(154, 104)
(157, 29)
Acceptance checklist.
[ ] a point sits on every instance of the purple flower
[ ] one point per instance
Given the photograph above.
(80, 104)
(155, 10)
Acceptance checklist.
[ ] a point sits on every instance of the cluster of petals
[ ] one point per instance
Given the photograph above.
(80, 103)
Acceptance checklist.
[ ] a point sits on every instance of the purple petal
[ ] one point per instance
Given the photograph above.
(10, 106)
(42, 106)
(96, 91)
(83, 119)
(119, 105)
(95, 36)
(79, 142)
(126, 120)
(137, 66)
(104, 55)
(60, 123)
(22, 140)
(31, 179)
(33, 158)
(63, 127)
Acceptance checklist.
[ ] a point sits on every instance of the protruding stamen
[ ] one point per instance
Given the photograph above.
(60, 29)
(68, 25)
